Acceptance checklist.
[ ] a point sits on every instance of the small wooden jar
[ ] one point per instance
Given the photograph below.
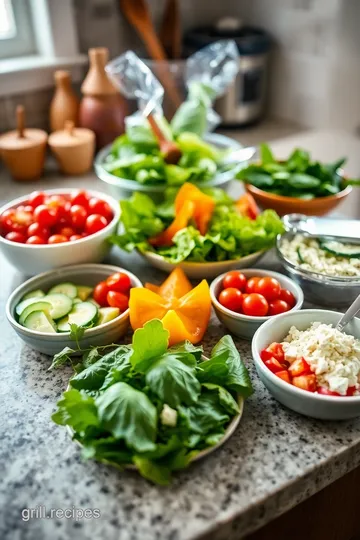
(23, 150)
(73, 148)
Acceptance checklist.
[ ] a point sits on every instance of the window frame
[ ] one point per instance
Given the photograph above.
(23, 43)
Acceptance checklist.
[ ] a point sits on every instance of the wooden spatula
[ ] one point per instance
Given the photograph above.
(169, 149)
(170, 32)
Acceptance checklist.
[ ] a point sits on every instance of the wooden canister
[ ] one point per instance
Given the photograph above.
(73, 148)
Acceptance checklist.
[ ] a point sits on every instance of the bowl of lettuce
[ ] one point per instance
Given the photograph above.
(150, 407)
(234, 238)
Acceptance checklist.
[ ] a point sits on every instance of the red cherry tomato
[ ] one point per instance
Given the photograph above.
(75, 237)
(36, 230)
(119, 282)
(118, 299)
(235, 279)
(57, 239)
(45, 216)
(78, 216)
(22, 217)
(6, 220)
(59, 204)
(25, 208)
(288, 297)
(80, 197)
(95, 223)
(278, 306)
(67, 231)
(255, 305)
(16, 237)
(251, 285)
(36, 198)
(97, 206)
(231, 298)
(269, 287)
(36, 240)
(19, 228)
(100, 294)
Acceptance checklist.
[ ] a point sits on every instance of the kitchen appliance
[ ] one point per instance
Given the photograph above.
(243, 102)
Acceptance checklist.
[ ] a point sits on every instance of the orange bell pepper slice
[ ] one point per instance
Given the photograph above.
(181, 221)
(152, 287)
(247, 206)
(176, 285)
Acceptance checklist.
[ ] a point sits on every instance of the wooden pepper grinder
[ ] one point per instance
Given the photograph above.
(102, 109)
(23, 150)
(64, 105)
(73, 148)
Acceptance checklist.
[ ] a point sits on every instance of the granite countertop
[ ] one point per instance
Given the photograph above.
(275, 459)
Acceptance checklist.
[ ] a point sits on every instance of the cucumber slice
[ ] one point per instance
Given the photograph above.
(40, 322)
(61, 305)
(94, 302)
(24, 304)
(64, 288)
(82, 314)
(77, 300)
(350, 251)
(36, 306)
(84, 292)
(38, 293)
(107, 314)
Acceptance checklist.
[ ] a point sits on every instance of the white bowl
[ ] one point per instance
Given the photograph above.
(81, 274)
(244, 326)
(301, 401)
(202, 270)
(33, 259)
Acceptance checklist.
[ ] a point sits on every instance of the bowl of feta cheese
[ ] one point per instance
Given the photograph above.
(327, 271)
(308, 365)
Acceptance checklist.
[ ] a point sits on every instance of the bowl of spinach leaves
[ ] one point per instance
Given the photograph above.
(150, 407)
(298, 184)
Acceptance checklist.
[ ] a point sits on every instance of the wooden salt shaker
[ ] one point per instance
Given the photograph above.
(23, 150)
(73, 148)
(102, 109)
(65, 104)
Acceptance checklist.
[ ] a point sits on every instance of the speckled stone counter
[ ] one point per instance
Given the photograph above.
(274, 460)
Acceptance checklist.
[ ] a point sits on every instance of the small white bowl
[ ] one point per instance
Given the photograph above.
(81, 274)
(301, 401)
(202, 270)
(244, 326)
(32, 259)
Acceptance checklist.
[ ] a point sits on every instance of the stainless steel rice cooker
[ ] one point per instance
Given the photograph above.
(243, 103)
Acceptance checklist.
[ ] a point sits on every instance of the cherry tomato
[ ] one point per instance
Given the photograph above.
(78, 216)
(100, 294)
(255, 305)
(118, 299)
(22, 218)
(57, 239)
(25, 208)
(16, 237)
(36, 230)
(36, 198)
(269, 287)
(80, 197)
(288, 297)
(74, 237)
(235, 279)
(97, 206)
(119, 282)
(67, 231)
(19, 228)
(59, 204)
(6, 220)
(251, 285)
(36, 240)
(45, 216)
(95, 223)
(278, 306)
(231, 299)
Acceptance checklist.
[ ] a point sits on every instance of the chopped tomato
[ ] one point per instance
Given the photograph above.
(275, 350)
(351, 391)
(305, 382)
(284, 375)
(274, 365)
(247, 206)
(299, 367)
(326, 392)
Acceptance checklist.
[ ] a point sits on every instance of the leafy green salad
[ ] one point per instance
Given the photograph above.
(149, 405)
(298, 176)
(229, 236)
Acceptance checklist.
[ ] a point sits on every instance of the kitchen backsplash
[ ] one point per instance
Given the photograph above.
(315, 68)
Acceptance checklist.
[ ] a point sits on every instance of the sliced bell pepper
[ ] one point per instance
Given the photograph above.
(181, 221)
(152, 287)
(174, 286)
(247, 206)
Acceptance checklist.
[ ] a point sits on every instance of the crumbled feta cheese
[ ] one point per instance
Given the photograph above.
(333, 356)
(168, 416)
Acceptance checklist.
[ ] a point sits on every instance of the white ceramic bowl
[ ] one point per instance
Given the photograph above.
(244, 326)
(202, 270)
(33, 259)
(81, 274)
(301, 401)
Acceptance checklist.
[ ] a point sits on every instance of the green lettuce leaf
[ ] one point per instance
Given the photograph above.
(77, 410)
(205, 415)
(149, 343)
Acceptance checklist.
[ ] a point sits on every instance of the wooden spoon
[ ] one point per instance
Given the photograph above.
(170, 32)
(170, 150)
(137, 13)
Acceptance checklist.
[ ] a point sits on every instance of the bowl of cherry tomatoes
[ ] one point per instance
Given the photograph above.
(244, 299)
(57, 227)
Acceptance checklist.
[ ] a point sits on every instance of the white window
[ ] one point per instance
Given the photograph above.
(16, 29)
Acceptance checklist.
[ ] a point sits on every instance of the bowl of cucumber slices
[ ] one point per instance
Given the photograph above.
(61, 307)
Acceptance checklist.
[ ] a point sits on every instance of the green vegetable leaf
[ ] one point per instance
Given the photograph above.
(155, 472)
(128, 414)
(187, 347)
(205, 415)
(225, 398)
(107, 449)
(76, 333)
(61, 358)
(266, 155)
(259, 180)
(303, 181)
(149, 343)
(77, 410)
(298, 161)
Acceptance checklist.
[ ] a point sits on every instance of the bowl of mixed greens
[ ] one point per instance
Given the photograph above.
(298, 184)
(133, 162)
(205, 232)
(150, 407)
